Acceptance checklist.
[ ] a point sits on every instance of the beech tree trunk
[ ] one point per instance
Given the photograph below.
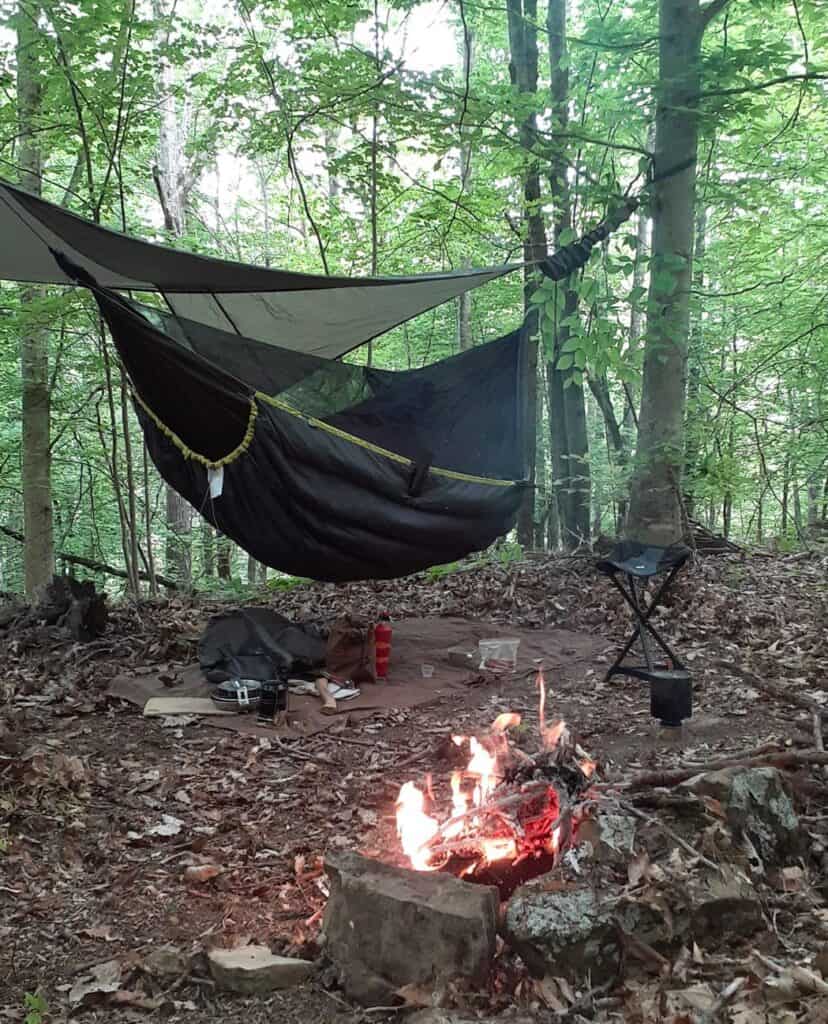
(655, 515)
(173, 182)
(38, 552)
(464, 301)
(523, 70)
(566, 393)
(695, 363)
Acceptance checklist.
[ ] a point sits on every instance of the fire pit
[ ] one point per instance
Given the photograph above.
(506, 816)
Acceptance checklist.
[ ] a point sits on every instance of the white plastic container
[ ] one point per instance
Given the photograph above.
(498, 655)
(427, 670)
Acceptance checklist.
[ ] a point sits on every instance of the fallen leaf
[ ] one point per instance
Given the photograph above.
(201, 872)
(100, 931)
(100, 980)
(168, 826)
(700, 997)
(637, 868)
(416, 995)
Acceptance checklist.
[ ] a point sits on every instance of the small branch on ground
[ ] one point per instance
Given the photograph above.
(790, 759)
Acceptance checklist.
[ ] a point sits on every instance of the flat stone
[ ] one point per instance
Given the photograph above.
(166, 962)
(757, 808)
(387, 927)
(254, 969)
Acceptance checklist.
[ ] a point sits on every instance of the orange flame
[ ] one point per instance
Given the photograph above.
(503, 848)
(414, 826)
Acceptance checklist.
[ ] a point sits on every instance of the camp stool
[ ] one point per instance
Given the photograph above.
(628, 566)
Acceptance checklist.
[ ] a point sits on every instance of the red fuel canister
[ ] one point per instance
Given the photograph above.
(382, 638)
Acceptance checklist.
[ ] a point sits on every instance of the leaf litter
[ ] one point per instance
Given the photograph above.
(87, 782)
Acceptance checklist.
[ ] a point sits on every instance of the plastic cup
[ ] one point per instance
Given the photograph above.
(427, 670)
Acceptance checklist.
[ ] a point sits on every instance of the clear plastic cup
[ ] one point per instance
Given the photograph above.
(427, 670)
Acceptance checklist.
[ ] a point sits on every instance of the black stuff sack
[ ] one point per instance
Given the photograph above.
(257, 643)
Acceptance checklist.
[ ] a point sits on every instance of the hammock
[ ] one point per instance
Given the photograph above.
(313, 466)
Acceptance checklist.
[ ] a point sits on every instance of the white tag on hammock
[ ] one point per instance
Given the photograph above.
(216, 480)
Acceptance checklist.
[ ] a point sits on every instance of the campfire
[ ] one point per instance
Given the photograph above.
(505, 817)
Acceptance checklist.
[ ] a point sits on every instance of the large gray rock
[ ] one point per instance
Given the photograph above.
(566, 934)
(611, 836)
(575, 933)
(757, 807)
(388, 927)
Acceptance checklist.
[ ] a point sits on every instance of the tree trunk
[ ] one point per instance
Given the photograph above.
(523, 70)
(695, 356)
(208, 549)
(224, 557)
(464, 301)
(654, 514)
(38, 552)
(173, 184)
(567, 389)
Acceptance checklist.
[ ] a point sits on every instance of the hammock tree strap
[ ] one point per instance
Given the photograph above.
(572, 257)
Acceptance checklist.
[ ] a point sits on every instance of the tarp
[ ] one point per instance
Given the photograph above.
(323, 315)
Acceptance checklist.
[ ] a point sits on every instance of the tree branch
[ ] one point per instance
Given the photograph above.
(807, 76)
(88, 563)
(709, 13)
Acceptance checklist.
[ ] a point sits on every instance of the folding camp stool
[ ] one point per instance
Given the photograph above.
(627, 565)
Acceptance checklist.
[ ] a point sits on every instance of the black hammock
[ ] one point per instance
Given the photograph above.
(314, 466)
(321, 468)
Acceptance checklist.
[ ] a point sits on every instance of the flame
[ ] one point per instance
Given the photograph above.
(484, 766)
(508, 720)
(553, 734)
(414, 826)
(541, 682)
(427, 843)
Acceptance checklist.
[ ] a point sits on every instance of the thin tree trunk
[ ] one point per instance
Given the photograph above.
(38, 552)
(695, 356)
(655, 514)
(464, 301)
(224, 557)
(153, 582)
(523, 70)
(173, 183)
(574, 440)
(208, 549)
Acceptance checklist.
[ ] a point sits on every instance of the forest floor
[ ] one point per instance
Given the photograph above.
(102, 811)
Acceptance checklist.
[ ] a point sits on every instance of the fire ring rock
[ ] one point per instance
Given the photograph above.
(387, 927)
(757, 807)
(563, 933)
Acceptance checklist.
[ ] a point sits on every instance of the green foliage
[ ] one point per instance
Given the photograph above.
(296, 93)
(35, 1007)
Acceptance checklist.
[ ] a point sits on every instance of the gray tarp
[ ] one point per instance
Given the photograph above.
(322, 315)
